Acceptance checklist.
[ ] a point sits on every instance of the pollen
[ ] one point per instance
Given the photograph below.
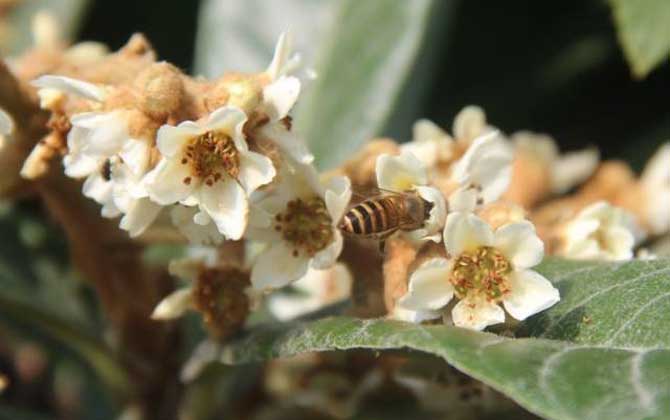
(306, 226)
(219, 295)
(211, 156)
(482, 273)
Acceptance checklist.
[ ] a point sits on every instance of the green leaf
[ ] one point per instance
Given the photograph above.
(68, 13)
(603, 352)
(644, 33)
(362, 69)
(227, 40)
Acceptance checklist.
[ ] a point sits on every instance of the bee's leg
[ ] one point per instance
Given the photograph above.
(382, 240)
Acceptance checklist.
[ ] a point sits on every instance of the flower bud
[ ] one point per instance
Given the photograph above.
(160, 90)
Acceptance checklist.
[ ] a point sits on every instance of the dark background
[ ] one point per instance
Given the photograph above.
(553, 66)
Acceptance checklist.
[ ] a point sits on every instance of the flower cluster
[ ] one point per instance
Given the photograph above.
(219, 162)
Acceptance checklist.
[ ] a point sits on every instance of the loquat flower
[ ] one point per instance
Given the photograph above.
(485, 268)
(297, 224)
(220, 293)
(405, 173)
(208, 164)
(482, 174)
(600, 232)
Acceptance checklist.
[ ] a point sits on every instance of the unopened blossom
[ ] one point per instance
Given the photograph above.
(315, 290)
(406, 174)
(599, 232)
(655, 181)
(482, 174)
(485, 268)
(208, 164)
(220, 293)
(296, 223)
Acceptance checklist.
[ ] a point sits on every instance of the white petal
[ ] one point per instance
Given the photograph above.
(520, 244)
(327, 256)
(79, 165)
(337, 197)
(170, 140)
(487, 165)
(477, 314)
(425, 130)
(280, 57)
(72, 86)
(136, 153)
(466, 232)
(621, 242)
(197, 233)
(6, 123)
(227, 205)
(429, 287)
(280, 96)
(288, 142)
(530, 293)
(255, 170)
(103, 134)
(139, 216)
(463, 199)
(230, 120)
(173, 305)
(438, 213)
(98, 188)
(573, 168)
(165, 183)
(277, 267)
(400, 173)
(469, 123)
(416, 317)
(657, 170)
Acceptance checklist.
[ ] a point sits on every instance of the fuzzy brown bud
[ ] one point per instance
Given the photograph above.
(160, 90)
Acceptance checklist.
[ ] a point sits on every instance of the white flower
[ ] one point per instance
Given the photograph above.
(600, 231)
(6, 123)
(485, 268)
(566, 170)
(430, 144)
(195, 225)
(470, 123)
(297, 222)
(656, 184)
(316, 289)
(209, 164)
(220, 293)
(278, 98)
(483, 173)
(405, 173)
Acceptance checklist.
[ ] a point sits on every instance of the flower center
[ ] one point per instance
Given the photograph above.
(306, 225)
(211, 155)
(483, 272)
(219, 294)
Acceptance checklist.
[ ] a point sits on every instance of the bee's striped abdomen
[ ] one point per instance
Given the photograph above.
(370, 217)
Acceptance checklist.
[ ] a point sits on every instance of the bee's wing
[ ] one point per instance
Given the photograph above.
(364, 194)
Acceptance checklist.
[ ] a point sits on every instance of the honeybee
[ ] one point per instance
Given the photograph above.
(381, 216)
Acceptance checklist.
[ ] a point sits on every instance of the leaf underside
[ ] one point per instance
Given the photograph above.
(644, 33)
(599, 354)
